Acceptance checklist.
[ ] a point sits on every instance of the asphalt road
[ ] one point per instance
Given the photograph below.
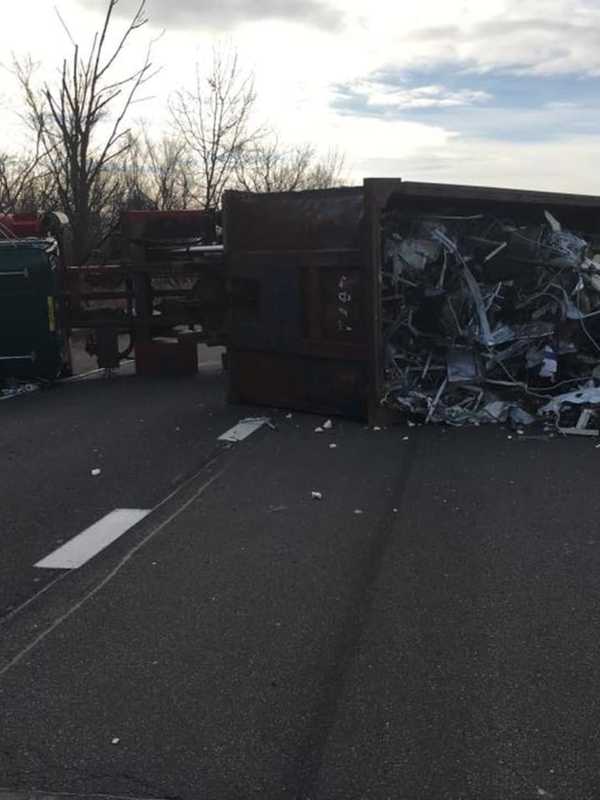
(144, 435)
(247, 641)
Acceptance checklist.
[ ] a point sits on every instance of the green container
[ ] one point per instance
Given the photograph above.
(33, 341)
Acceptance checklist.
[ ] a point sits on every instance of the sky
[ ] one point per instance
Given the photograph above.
(486, 92)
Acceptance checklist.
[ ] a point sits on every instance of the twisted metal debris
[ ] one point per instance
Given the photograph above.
(490, 320)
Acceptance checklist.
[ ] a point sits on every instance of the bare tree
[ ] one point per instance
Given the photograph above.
(38, 193)
(326, 172)
(80, 124)
(214, 121)
(268, 167)
(22, 179)
(169, 176)
(13, 176)
(130, 189)
(152, 175)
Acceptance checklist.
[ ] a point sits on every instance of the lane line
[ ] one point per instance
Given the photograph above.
(81, 548)
(17, 610)
(106, 580)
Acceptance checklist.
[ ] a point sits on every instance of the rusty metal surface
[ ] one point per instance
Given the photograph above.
(170, 263)
(383, 187)
(297, 328)
(581, 212)
(325, 219)
(146, 236)
(373, 300)
(186, 290)
(160, 358)
(285, 380)
(106, 347)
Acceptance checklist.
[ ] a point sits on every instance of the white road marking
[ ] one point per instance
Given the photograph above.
(77, 551)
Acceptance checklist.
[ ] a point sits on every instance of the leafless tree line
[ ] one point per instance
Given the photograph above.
(88, 161)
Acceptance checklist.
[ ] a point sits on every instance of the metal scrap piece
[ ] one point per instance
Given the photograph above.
(436, 400)
(496, 410)
(518, 416)
(502, 334)
(485, 333)
(553, 222)
(495, 252)
(589, 394)
(550, 363)
(581, 429)
(462, 366)
(244, 428)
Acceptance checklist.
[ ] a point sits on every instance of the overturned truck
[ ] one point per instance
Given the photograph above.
(436, 303)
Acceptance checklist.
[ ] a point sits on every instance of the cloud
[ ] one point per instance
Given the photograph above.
(470, 101)
(560, 43)
(228, 14)
(515, 70)
(377, 96)
(503, 86)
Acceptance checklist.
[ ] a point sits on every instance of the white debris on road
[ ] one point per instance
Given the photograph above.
(316, 495)
(15, 391)
(244, 428)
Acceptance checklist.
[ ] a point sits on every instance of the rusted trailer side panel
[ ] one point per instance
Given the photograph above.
(298, 324)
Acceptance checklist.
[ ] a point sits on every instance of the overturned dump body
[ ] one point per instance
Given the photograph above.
(466, 305)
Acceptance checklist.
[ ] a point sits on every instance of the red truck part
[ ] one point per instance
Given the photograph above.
(21, 226)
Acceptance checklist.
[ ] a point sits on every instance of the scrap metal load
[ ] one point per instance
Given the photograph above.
(490, 320)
